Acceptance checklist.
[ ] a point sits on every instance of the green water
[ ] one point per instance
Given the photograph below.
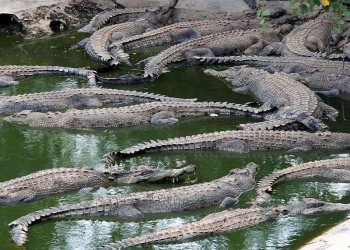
(25, 150)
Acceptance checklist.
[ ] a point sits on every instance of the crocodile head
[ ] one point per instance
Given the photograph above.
(34, 119)
(148, 174)
(16, 197)
(312, 206)
(246, 173)
(160, 14)
(234, 75)
(20, 117)
(333, 140)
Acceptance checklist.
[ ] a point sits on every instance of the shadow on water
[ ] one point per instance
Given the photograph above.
(25, 150)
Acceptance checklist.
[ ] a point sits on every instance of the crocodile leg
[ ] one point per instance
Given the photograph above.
(315, 44)
(184, 35)
(164, 117)
(6, 81)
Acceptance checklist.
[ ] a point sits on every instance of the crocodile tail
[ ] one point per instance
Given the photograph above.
(125, 80)
(87, 29)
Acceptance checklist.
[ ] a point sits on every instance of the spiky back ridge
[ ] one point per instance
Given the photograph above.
(306, 170)
(16, 71)
(257, 140)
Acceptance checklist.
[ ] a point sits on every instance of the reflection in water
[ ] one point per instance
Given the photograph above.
(82, 234)
(24, 150)
(64, 149)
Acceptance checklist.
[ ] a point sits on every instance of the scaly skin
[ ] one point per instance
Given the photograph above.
(152, 112)
(334, 169)
(10, 73)
(225, 190)
(113, 17)
(53, 181)
(241, 142)
(176, 33)
(227, 221)
(63, 99)
(312, 36)
(315, 73)
(186, 15)
(294, 100)
(220, 44)
(97, 45)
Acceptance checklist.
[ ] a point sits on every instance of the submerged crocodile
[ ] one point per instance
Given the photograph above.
(227, 221)
(53, 181)
(91, 97)
(10, 73)
(334, 169)
(240, 141)
(176, 33)
(220, 44)
(295, 101)
(97, 45)
(315, 73)
(152, 112)
(225, 190)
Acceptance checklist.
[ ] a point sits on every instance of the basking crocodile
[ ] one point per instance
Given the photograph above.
(10, 73)
(225, 190)
(228, 221)
(152, 112)
(91, 97)
(109, 17)
(220, 44)
(334, 169)
(316, 73)
(114, 16)
(240, 141)
(97, 45)
(52, 181)
(311, 37)
(185, 15)
(294, 101)
(176, 33)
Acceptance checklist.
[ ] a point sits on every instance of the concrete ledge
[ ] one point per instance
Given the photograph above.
(337, 238)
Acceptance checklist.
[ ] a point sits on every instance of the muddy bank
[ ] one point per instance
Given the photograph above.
(36, 18)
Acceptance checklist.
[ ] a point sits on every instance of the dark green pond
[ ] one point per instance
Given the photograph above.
(25, 150)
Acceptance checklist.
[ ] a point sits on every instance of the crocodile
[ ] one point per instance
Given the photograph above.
(228, 221)
(294, 100)
(176, 33)
(9, 74)
(185, 15)
(91, 97)
(311, 37)
(114, 16)
(53, 181)
(334, 169)
(240, 141)
(224, 190)
(138, 114)
(97, 45)
(220, 44)
(329, 76)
